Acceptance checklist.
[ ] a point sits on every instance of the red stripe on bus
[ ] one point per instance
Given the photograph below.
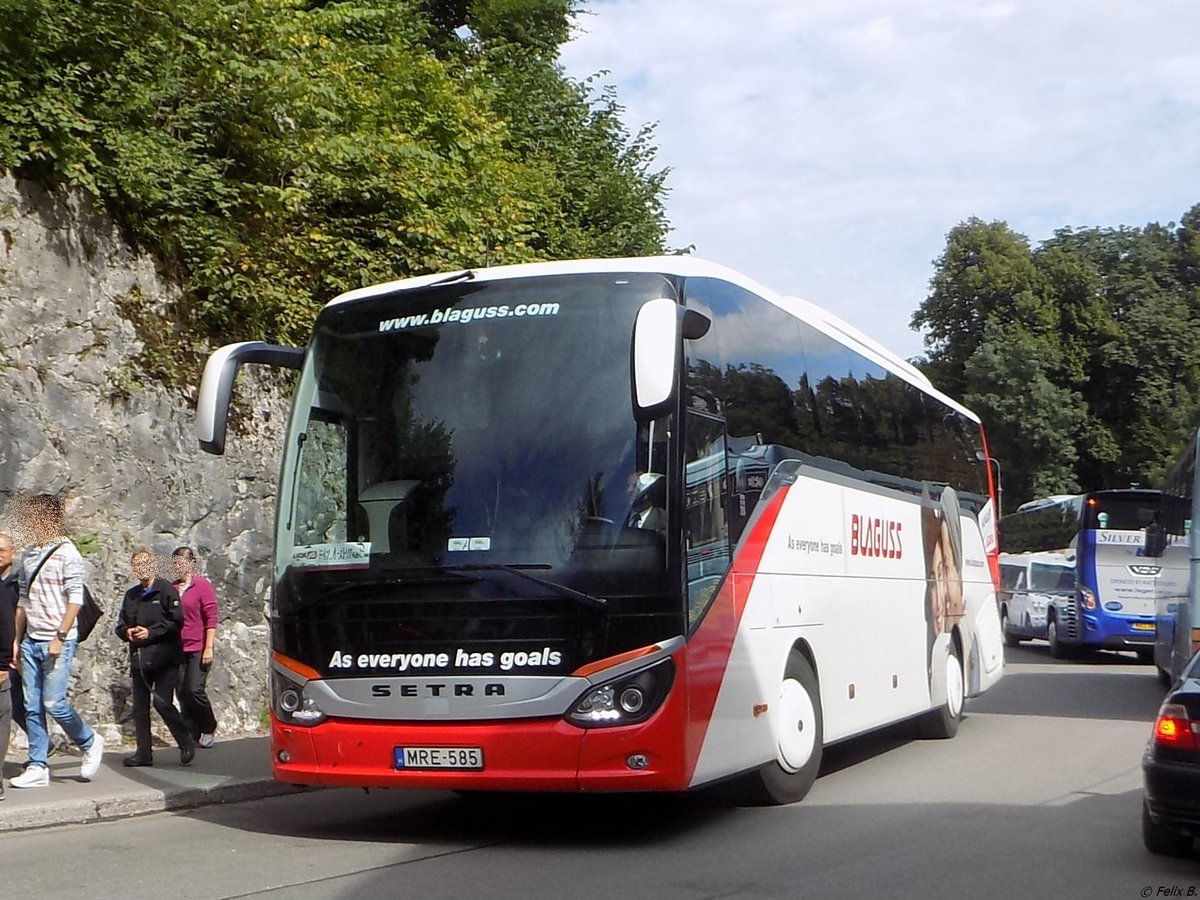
(709, 649)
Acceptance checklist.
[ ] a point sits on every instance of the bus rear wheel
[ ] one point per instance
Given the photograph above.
(943, 721)
(799, 740)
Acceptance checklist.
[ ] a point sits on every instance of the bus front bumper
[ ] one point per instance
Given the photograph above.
(1117, 634)
(521, 755)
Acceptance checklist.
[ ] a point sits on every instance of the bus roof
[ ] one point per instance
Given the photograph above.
(686, 267)
(1053, 500)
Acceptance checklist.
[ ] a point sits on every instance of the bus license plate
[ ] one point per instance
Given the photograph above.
(438, 758)
(1143, 626)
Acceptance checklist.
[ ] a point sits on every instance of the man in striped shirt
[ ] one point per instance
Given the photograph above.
(51, 576)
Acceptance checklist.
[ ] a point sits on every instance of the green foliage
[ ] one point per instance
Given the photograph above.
(274, 153)
(1039, 456)
(1082, 355)
(89, 545)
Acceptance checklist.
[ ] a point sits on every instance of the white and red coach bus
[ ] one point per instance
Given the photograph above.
(612, 525)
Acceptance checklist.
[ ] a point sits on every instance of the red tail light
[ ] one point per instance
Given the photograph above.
(1174, 729)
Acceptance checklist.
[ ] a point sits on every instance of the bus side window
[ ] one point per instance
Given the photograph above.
(707, 530)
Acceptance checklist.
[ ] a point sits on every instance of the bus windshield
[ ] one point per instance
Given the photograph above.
(478, 426)
(1120, 510)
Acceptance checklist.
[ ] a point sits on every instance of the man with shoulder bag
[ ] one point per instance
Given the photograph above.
(51, 593)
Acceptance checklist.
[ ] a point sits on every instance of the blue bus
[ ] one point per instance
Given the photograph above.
(1112, 606)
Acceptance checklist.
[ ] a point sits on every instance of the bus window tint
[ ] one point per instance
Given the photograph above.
(788, 390)
(1049, 527)
(1051, 578)
(1118, 513)
(320, 510)
(707, 534)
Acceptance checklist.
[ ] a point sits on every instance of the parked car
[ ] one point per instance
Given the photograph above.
(1171, 767)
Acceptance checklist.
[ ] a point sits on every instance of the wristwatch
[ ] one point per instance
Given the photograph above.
(61, 635)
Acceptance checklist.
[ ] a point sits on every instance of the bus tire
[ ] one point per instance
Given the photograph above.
(1162, 841)
(1057, 649)
(798, 745)
(1010, 639)
(942, 723)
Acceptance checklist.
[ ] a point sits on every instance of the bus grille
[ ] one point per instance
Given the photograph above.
(1068, 620)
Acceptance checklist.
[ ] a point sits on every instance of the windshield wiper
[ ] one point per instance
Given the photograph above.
(519, 570)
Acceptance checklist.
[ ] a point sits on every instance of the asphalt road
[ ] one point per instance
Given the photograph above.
(1038, 796)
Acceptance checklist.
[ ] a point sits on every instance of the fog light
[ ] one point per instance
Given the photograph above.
(632, 700)
(284, 757)
(637, 761)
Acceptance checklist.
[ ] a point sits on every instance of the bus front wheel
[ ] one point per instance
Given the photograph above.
(1010, 639)
(799, 740)
(1057, 649)
(943, 721)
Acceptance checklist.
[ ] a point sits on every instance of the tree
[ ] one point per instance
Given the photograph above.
(1033, 429)
(985, 275)
(274, 153)
(1101, 323)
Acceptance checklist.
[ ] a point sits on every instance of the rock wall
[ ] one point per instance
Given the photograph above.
(76, 417)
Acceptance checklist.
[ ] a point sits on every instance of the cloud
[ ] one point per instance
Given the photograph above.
(825, 148)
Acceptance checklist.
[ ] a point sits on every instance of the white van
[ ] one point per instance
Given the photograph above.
(1031, 584)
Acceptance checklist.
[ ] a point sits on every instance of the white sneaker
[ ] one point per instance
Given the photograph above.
(92, 757)
(32, 777)
(206, 741)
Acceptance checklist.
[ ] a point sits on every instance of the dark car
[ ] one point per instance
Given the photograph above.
(1171, 766)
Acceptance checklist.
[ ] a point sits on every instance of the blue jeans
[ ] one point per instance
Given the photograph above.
(45, 680)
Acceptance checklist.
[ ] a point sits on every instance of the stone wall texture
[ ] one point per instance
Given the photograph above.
(76, 417)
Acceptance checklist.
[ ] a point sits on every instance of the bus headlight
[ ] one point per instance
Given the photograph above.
(625, 700)
(292, 704)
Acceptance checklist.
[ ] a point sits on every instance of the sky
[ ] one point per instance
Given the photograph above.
(825, 148)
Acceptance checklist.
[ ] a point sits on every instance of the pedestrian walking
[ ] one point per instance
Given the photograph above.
(9, 593)
(8, 642)
(51, 576)
(199, 637)
(150, 622)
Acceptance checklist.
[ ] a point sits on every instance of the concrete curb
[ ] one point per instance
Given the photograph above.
(136, 803)
(236, 770)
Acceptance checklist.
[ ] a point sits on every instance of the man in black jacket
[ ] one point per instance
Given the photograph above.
(150, 622)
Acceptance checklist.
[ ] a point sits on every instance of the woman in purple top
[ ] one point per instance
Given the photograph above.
(199, 602)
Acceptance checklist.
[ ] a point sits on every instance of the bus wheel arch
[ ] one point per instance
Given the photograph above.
(942, 722)
(799, 737)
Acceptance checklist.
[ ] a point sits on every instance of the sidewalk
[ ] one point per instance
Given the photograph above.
(231, 771)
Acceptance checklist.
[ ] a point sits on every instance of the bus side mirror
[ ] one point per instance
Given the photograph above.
(654, 370)
(1155, 541)
(660, 326)
(216, 387)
